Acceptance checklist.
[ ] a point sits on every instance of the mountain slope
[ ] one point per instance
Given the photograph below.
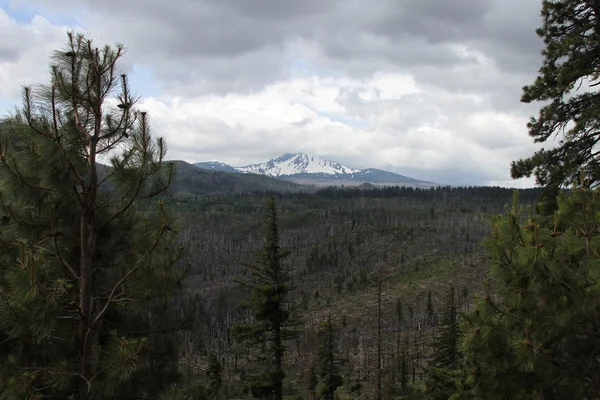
(313, 170)
(297, 163)
(216, 166)
(379, 176)
(192, 180)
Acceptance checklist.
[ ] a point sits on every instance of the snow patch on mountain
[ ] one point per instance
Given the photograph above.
(215, 166)
(307, 169)
(297, 163)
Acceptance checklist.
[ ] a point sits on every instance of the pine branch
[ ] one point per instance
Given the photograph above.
(126, 157)
(64, 262)
(70, 271)
(127, 275)
(141, 179)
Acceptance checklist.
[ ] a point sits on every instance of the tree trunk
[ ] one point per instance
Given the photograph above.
(87, 336)
(88, 235)
(85, 284)
(278, 363)
(379, 338)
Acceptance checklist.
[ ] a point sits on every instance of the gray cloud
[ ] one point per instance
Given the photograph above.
(471, 57)
(438, 22)
(455, 176)
(238, 44)
(8, 53)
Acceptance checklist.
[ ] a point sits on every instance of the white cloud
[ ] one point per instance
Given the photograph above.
(438, 107)
(294, 116)
(24, 52)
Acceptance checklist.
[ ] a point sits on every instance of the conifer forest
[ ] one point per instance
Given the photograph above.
(127, 275)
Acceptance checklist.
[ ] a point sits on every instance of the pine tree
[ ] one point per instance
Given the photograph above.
(536, 333)
(445, 374)
(271, 325)
(403, 365)
(445, 344)
(398, 325)
(379, 334)
(570, 32)
(213, 373)
(444, 384)
(84, 277)
(327, 370)
(429, 310)
(313, 380)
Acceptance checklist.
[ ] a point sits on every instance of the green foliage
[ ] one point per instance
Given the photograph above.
(265, 385)
(312, 378)
(404, 365)
(571, 57)
(269, 327)
(185, 392)
(327, 371)
(84, 279)
(444, 384)
(536, 334)
(445, 345)
(445, 377)
(213, 373)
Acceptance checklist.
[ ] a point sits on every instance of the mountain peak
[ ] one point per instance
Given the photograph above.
(309, 169)
(297, 163)
(287, 156)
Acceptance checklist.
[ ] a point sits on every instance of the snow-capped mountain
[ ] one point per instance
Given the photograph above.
(216, 166)
(314, 170)
(297, 163)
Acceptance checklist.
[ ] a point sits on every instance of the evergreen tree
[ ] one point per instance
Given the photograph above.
(398, 324)
(398, 374)
(213, 373)
(536, 335)
(570, 32)
(403, 365)
(429, 310)
(271, 325)
(313, 380)
(326, 363)
(445, 374)
(84, 277)
(444, 384)
(445, 344)
(379, 277)
(399, 312)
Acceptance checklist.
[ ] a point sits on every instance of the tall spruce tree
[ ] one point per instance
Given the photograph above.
(445, 344)
(271, 325)
(379, 278)
(83, 277)
(327, 370)
(536, 333)
(571, 33)
(445, 375)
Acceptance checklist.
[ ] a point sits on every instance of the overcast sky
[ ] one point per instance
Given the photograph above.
(426, 88)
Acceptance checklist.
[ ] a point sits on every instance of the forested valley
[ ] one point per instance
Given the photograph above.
(418, 244)
(124, 275)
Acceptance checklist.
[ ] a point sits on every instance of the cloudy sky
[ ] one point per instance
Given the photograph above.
(426, 88)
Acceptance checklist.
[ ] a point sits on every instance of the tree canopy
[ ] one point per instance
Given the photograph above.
(84, 275)
(566, 84)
